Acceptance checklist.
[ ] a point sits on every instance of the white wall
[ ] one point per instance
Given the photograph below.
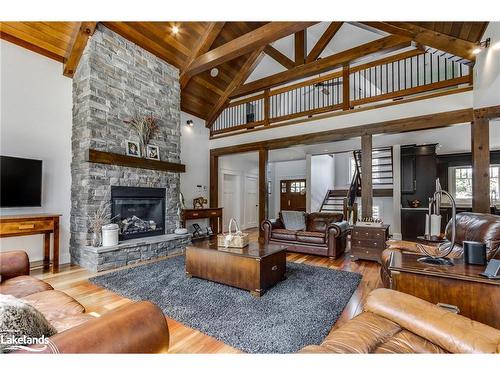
(240, 165)
(194, 154)
(322, 179)
(487, 70)
(284, 170)
(36, 119)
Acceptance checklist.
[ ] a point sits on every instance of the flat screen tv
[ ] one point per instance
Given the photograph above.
(21, 182)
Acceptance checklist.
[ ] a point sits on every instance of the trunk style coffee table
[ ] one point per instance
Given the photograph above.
(256, 267)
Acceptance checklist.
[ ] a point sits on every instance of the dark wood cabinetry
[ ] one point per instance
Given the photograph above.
(368, 242)
(476, 297)
(408, 183)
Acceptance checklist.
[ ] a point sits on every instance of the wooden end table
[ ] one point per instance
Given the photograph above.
(459, 285)
(256, 267)
(27, 225)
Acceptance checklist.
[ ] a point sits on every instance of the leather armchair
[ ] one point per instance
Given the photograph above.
(140, 327)
(470, 227)
(325, 234)
(394, 322)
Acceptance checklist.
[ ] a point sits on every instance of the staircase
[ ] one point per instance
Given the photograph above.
(343, 201)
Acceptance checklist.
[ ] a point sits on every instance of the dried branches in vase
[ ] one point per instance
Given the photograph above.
(145, 127)
(101, 217)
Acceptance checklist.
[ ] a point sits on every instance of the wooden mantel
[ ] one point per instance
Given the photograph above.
(102, 157)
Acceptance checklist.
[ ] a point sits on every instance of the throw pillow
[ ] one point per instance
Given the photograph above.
(293, 220)
(20, 323)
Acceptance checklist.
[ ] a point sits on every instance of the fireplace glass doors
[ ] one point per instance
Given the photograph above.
(139, 212)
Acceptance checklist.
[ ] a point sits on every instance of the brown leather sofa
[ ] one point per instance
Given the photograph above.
(394, 322)
(470, 227)
(135, 328)
(325, 234)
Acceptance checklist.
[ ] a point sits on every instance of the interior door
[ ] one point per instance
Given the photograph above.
(251, 202)
(293, 195)
(230, 199)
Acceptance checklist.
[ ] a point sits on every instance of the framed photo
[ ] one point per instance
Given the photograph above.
(133, 149)
(153, 152)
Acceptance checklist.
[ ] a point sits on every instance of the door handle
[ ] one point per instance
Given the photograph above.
(289, 203)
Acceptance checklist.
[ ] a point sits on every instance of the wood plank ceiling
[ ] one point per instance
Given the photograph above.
(201, 93)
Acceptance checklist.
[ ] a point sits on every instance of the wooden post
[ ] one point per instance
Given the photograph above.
(214, 189)
(300, 47)
(267, 107)
(263, 156)
(480, 138)
(366, 176)
(346, 104)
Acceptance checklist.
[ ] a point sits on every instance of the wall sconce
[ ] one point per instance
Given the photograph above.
(481, 45)
(190, 123)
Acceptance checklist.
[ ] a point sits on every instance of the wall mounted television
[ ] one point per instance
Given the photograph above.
(21, 182)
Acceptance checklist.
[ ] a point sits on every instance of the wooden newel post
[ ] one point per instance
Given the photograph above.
(267, 107)
(346, 104)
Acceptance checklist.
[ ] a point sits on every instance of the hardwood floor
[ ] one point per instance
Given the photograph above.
(73, 280)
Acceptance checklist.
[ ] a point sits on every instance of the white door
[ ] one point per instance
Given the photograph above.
(230, 199)
(251, 202)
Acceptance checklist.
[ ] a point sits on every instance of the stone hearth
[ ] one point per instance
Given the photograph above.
(133, 251)
(116, 79)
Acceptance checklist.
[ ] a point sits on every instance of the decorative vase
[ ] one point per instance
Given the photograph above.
(96, 239)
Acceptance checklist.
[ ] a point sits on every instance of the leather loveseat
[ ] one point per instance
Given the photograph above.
(470, 227)
(134, 328)
(394, 322)
(325, 234)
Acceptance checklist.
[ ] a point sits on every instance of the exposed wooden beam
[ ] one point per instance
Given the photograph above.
(75, 51)
(480, 146)
(443, 42)
(388, 43)
(205, 42)
(245, 44)
(430, 121)
(263, 197)
(366, 179)
(300, 44)
(323, 41)
(279, 57)
(251, 62)
(491, 113)
(346, 89)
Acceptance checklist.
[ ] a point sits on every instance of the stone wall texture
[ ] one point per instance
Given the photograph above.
(115, 80)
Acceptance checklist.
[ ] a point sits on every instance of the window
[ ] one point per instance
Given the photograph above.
(461, 183)
(297, 186)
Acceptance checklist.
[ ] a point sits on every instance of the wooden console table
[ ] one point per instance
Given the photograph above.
(26, 225)
(460, 285)
(214, 214)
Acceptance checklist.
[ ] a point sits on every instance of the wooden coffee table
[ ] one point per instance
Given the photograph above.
(256, 267)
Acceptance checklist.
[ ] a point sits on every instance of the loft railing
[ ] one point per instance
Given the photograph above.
(394, 77)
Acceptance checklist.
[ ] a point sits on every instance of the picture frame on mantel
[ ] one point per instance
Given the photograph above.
(152, 152)
(133, 148)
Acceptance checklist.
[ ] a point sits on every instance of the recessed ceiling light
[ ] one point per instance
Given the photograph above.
(214, 72)
(175, 29)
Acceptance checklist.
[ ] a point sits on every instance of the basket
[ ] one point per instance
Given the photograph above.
(237, 239)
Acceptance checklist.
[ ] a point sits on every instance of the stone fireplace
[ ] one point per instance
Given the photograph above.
(115, 80)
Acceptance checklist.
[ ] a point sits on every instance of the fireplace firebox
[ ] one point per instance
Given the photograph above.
(138, 211)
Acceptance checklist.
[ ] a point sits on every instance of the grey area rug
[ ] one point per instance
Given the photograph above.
(296, 312)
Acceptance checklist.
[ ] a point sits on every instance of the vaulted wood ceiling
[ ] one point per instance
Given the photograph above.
(199, 46)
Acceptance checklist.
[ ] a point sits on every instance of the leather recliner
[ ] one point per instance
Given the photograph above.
(470, 226)
(325, 234)
(138, 327)
(395, 322)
